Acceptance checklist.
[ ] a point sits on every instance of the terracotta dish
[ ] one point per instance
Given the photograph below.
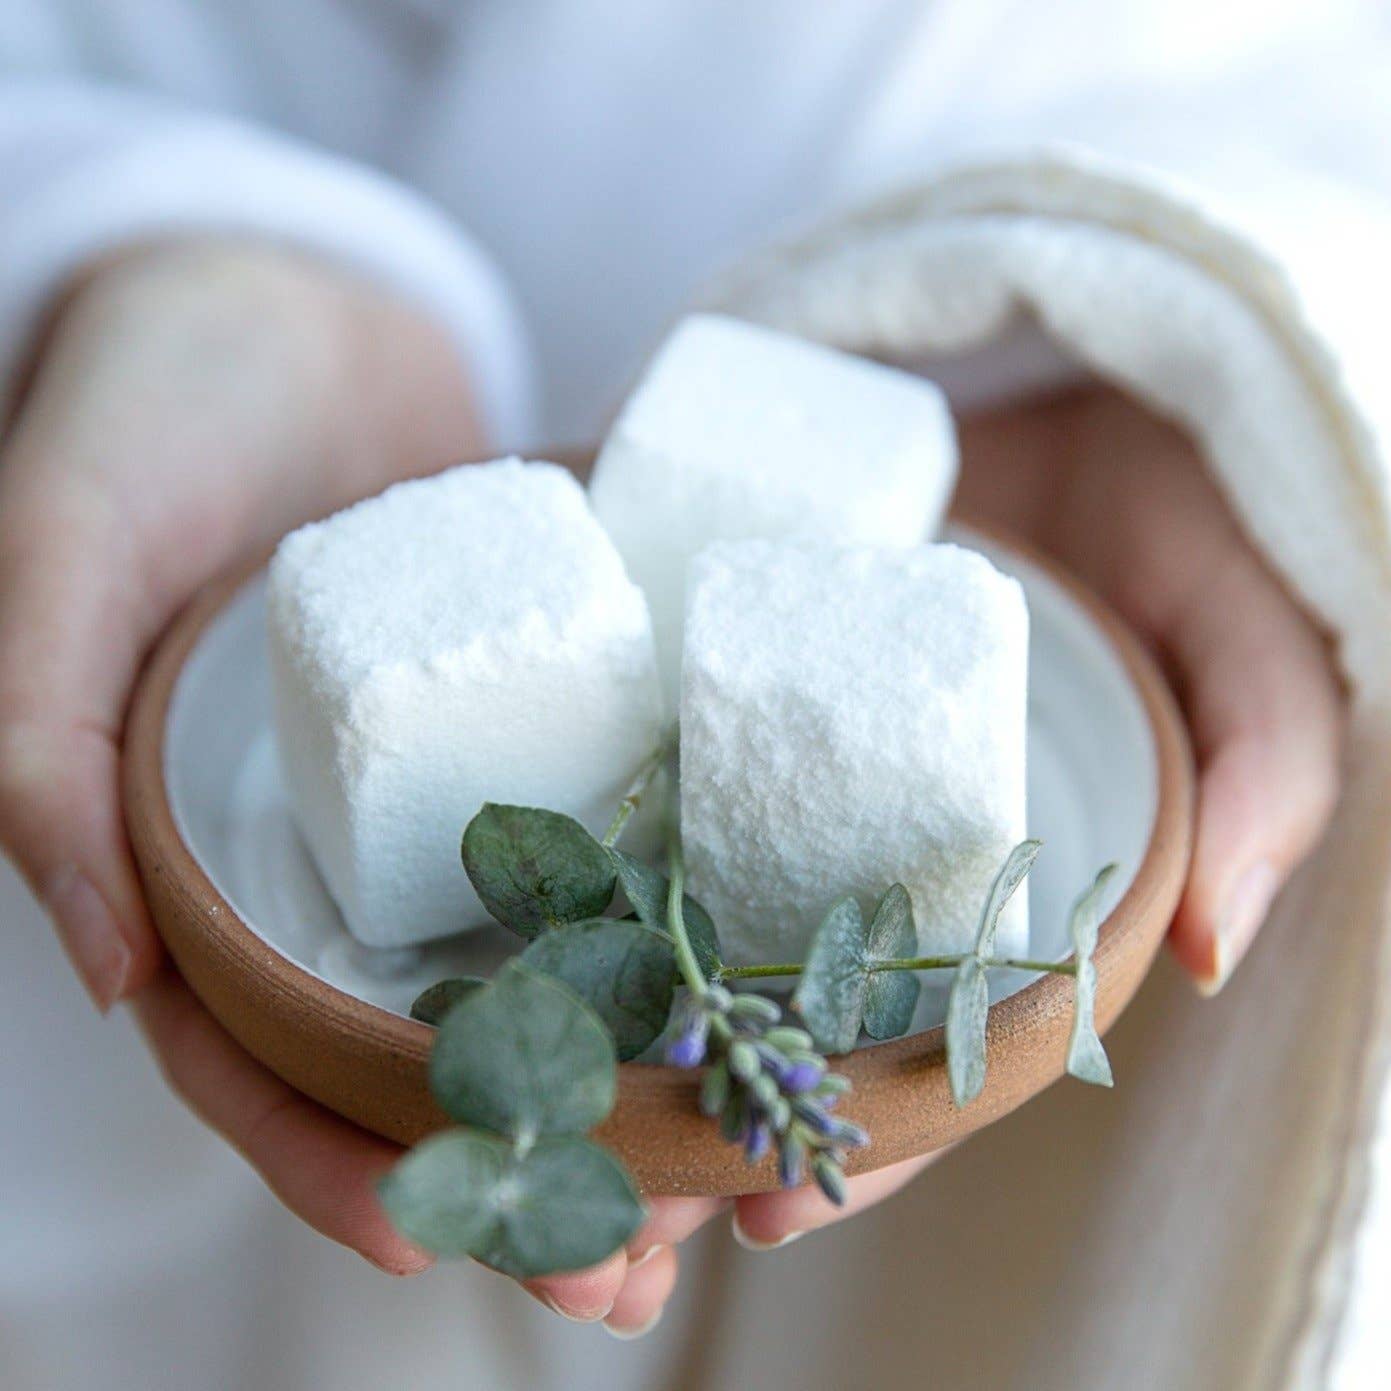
(251, 930)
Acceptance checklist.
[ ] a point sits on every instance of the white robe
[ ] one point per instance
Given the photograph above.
(554, 180)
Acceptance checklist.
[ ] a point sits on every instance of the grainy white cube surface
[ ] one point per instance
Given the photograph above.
(851, 717)
(465, 638)
(739, 431)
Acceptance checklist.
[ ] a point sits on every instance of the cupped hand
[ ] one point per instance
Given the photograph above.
(187, 406)
(1124, 501)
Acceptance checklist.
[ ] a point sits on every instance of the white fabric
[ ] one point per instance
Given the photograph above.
(85, 171)
(1147, 286)
(610, 157)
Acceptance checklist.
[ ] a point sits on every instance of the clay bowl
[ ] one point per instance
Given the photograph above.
(210, 838)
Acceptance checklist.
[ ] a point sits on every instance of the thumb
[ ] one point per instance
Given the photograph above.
(1267, 719)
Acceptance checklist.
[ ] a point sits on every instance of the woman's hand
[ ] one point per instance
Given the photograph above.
(189, 405)
(1124, 502)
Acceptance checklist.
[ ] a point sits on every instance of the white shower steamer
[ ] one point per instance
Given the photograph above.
(738, 431)
(851, 717)
(465, 638)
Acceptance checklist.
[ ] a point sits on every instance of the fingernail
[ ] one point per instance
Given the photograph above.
(628, 1335)
(637, 1262)
(1245, 910)
(753, 1243)
(90, 935)
(556, 1307)
(402, 1266)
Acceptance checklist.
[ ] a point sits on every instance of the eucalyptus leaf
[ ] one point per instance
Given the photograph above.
(831, 993)
(840, 990)
(646, 889)
(891, 996)
(968, 1010)
(625, 972)
(524, 1057)
(431, 1005)
(535, 869)
(1012, 874)
(1086, 1057)
(565, 1204)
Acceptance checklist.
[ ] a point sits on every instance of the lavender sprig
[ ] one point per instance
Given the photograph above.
(764, 1081)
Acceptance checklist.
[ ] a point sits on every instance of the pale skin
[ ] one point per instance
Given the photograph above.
(189, 404)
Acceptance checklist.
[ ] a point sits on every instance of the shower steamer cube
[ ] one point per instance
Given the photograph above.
(739, 431)
(465, 638)
(851, 717)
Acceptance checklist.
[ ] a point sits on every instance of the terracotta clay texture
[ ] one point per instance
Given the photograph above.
(369, 1065)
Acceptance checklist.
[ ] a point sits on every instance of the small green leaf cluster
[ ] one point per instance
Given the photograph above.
(843, 989)
(527, 1069)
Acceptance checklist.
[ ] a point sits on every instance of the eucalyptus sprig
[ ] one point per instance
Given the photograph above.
(527, 1069)
(528, 1063)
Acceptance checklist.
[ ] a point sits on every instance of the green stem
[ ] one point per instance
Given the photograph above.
(914, 963)
(676, 919)
(788, 968)
(638, 789)
(1056, 968)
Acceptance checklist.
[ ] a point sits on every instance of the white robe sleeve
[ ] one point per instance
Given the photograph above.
(86, 169)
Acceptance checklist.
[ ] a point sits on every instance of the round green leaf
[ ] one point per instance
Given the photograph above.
(646, 889)
(841, 991)
(564, 1204)
(442, 1195)
(1012, 874)
(831, 993)
(431, 1005)
(891, 996)
(524, 1057)
(535, 869)
(1086, 1057)
(968, 1010)
(624, 971)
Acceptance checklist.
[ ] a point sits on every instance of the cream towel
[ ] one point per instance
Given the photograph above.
(1202, 1226)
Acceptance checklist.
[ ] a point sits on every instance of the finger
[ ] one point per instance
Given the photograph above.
(68, 628)
(672, 1220)
(582, 1296)
(765, 1221)
(1267, 719)
(640, 1302)
(322, 1168)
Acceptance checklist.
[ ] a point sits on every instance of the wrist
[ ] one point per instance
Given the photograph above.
(335, 372)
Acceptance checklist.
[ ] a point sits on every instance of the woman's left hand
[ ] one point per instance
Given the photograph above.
(1125, 503)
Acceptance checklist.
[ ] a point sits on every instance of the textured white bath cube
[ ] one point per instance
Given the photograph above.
(465, 638)
(851, 717)
(738, 431)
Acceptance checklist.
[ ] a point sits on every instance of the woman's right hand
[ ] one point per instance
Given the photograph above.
(188, 405)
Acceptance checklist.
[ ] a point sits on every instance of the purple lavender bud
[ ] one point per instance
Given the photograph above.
(847, 1133)
(796, 1078)
(687, 1049)
(757, 1141)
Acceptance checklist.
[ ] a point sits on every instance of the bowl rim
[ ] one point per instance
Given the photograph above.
(1152, 892)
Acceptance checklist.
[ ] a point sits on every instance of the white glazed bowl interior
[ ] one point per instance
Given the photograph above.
(1092, 788)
